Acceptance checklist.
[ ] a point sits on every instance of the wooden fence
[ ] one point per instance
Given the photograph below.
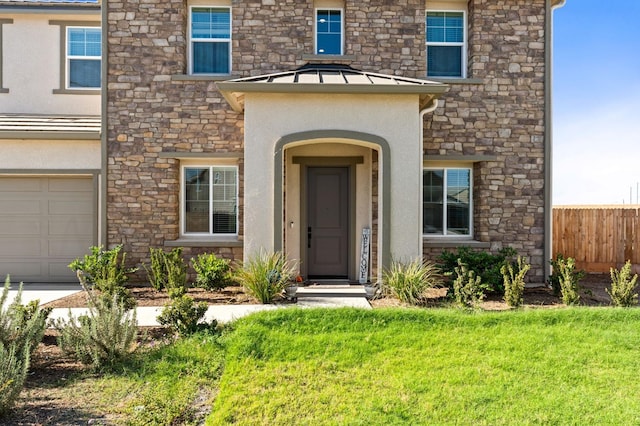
(598, 237)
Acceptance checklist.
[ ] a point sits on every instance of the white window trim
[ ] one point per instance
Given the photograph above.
(68, 57)
(190, 38)
(183, 203)
(315, 29)
(444, 234)
(464, 43)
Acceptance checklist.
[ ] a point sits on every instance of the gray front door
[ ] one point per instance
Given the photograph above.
(327, 222)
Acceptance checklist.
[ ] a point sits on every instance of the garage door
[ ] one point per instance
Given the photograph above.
(45, 223)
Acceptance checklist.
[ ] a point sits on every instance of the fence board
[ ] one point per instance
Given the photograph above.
(598, 237)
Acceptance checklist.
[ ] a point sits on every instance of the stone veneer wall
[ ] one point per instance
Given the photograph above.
(502, 116)
(150, 111)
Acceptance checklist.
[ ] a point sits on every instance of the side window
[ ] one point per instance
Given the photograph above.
(446, 198)
(3, 21)
(210, 196)
(210, 40)
(446, 47)
(83, 58)
(329, 32)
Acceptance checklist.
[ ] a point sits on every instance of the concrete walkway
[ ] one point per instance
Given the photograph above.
(146, 315)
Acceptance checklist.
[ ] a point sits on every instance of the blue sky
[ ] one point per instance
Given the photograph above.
(596, 102)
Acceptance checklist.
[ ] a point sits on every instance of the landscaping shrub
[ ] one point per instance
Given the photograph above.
(167, 270)
(554, 278)
(623, 286)
(105, 271)
(568, 281)
(213, 273)
(14, 367)
(514, 281)
(468, 289)
(103, 337)
(266, 275)
(184, 316)
(21, 326)
(486, 265)
(409, 281)
(21, 329)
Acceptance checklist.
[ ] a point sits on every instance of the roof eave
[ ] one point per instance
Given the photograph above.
(233, 91)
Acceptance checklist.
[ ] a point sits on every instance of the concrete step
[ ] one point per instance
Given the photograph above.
(325, 291)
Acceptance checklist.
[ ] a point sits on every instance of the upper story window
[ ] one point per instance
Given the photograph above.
(446, 46)
(84, 51)
(210, 40)
(3, 21)
(329, 31)
(210, 195)
(446, 201)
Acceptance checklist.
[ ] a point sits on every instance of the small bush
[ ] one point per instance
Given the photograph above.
(409, 281)
(156, 271)
(184, 316)
(21, 329)
(105, 271)
(554, 278)
(102, 338)
(21, 326)
(468, 290)
(212, 272)
(514, 281)
(14, 367)
(266, 275)
(623, 286)
(486, 265)
(568, 281)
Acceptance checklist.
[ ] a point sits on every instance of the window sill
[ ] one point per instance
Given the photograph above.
(452, 243)
(453, 80)
(202, 77)
(76, 91)
(205, 242)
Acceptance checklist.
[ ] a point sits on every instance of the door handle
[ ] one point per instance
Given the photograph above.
(309, 237)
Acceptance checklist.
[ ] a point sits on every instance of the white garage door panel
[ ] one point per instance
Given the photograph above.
(19, 185)
(60, 271)
(19, 248)
(69, 207)
(19, 269)
(83, 225)
(68, 249)
(45, 223)
(70, 185)
(20, 226)
(12, 205)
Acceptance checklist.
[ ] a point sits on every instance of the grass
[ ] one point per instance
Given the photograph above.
(160, 386)
(569, 366)
(380, 367)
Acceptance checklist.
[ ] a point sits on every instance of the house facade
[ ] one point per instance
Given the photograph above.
(50, 148)
(234, 126)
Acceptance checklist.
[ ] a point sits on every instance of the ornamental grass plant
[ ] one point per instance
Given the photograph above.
(266, 274)
(409, 281)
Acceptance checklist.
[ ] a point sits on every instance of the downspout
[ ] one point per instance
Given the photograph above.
(102, 203)
(550, 6)
(424, 111)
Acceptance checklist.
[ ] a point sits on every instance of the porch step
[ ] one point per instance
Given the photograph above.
(331, 291)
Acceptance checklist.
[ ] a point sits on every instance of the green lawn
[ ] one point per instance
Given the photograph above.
(399, 366)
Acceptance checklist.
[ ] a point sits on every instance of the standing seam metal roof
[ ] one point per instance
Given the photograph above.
(325, 78)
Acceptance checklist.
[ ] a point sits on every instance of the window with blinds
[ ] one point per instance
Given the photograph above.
(84, 52)
(446, 48)
(210, 200)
